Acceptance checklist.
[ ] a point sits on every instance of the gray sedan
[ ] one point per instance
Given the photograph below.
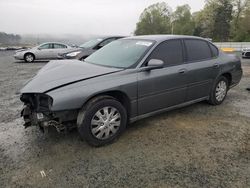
(45, 51)
(88, 48)
(127, 80)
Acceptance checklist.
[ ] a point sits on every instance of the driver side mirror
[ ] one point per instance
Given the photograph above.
(154, 64)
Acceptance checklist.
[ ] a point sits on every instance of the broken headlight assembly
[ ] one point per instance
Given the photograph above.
(37, 102)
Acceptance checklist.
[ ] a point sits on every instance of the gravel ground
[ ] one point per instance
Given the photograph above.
(196, 146)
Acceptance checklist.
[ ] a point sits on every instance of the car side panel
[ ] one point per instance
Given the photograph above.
(74, 96)
(43, 53)
(201, 76)
(57, 51)
(162, 88)
(231, 64)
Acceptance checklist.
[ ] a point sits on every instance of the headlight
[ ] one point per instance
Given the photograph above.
(38, 101)
(73, 54)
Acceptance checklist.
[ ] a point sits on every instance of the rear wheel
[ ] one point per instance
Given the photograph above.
(102, 121)
(29, 57)
(219, 91)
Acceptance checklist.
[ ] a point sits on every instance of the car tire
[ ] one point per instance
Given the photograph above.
(102, 120)
(29, 57)
(219, 91)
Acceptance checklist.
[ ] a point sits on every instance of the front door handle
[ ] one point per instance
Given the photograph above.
(182, 71)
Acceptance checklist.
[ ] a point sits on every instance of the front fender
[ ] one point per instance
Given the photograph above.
(74, 96)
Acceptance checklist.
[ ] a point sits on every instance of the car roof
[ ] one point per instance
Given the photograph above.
(160, 38)
(107, 37)
(53, 43)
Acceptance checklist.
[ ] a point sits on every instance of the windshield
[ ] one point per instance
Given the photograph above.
(91, 43)
(120, 53)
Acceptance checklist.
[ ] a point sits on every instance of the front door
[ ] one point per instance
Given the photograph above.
(45, 51)
(166, 87)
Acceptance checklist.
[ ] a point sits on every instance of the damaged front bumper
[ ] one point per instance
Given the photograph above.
(42, 120)
(36, 112)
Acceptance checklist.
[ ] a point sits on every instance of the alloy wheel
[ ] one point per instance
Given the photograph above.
(29, 58)
(105, 123)
(221, 91)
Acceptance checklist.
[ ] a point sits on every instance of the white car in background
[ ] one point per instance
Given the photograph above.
(246, 53)
(45, 51)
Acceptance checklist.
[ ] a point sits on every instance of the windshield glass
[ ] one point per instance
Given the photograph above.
(120, 53)
(91, 43)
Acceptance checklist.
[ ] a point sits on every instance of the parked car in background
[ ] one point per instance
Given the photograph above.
(88, 48)
(45, 51)
(127, 80)
(246, 53)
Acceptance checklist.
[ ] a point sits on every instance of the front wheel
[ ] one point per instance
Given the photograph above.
(219, 91)
(29, 57)
(102, 121)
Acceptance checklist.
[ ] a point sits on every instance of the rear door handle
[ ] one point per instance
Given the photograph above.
(182, 71)
(216, 65)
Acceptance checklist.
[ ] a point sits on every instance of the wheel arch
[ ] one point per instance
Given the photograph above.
(120, 96)
(228, 76)
(29, 53)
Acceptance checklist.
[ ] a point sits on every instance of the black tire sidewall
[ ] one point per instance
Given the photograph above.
(85, 128)
(213, 99)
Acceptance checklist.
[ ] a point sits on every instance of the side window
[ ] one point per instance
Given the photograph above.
(170, 52)
(105, 42)
(197, 50)
(45, 46)
(214, 49)
(58, 46)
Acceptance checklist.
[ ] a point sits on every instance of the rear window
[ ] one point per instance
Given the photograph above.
(197, 50)
(57, 46)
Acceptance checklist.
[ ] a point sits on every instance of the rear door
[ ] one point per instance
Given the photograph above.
(202, 66)
(162, 88)
(58, 49)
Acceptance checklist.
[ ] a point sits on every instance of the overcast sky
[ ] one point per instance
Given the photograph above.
(97, 17)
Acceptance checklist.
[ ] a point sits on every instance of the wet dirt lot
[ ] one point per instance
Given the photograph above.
(197, 146)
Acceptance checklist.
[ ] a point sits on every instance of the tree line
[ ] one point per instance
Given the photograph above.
(220, 20)
(9, 38)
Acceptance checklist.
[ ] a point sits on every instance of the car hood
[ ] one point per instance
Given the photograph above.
(22, 50)
(60, 73)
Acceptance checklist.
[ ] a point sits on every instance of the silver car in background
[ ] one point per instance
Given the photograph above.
(45, 51)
